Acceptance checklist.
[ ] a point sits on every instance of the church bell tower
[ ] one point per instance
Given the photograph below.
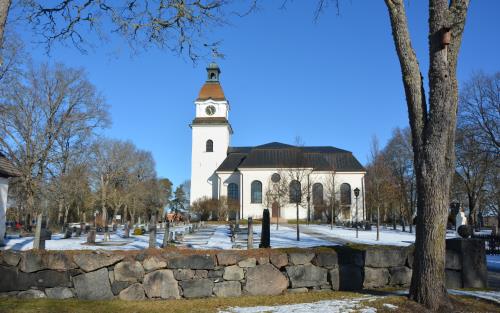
(211, 135)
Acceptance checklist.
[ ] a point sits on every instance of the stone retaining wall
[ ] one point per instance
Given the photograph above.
(175, 274)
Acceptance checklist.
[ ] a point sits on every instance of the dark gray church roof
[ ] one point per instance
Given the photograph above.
(280, 155)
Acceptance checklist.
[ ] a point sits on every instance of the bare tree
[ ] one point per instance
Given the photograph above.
(332, 193)
(42, 113)
(297, 174)
(179, 26)
(479, 109)
(276, 193)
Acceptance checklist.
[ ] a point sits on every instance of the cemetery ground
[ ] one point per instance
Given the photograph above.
(326, 301)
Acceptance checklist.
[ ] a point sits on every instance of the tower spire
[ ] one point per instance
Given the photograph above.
(213, 72)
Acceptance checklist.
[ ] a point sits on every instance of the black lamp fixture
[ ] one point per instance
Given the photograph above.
(356, 192)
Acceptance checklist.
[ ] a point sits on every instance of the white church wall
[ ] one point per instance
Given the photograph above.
(4, 190)
(203, 164)
(288, 211)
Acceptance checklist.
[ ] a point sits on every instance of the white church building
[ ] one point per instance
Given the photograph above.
(273, 175)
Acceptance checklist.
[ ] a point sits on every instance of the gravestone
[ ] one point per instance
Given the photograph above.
(250, 233)
(166, 236)
(152, 231)
(91, 235)
(265, 237)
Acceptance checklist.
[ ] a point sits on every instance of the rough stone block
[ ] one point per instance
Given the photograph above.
(59, 261)
(453, 279)
(351, 277)
(153, 263)
(194, 262)
(453, 260)
(118, 286)
(376, 277)
(400, 276)
(265, 280)
(93, 285)
(250, 262)
(199, 288)
(198, 274)
(326, 259)
(333, 278)
(227, 289)
(134, 292)
(161, 284)
(59, 293)
(31, 294)
(300, 258)
(233, 272)
(263, 260)
(32, 262)
(92, 261)
(306, 275)
(215, 273)
(382, 257)
(228, 258)
(131, 271)
(279, 259)
(183, 274)
(11, 258)
(45, 278)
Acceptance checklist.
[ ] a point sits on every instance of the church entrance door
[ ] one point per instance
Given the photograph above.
(275, 209)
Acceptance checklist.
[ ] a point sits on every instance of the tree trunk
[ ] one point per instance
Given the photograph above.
(297, 222)
(152, 231)
(433, 134)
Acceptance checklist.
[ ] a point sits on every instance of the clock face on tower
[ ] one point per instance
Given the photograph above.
(210, 110)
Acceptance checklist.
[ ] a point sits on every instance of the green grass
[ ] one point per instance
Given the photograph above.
(212, 305)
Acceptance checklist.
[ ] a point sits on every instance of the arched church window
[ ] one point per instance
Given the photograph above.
(295, 192)
(345, 194)
(317, 194)
(210, 146)
(233, 192)
(256, 192)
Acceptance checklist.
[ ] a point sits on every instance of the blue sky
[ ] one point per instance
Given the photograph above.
(333, 82)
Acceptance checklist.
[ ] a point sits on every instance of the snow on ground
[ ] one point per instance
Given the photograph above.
(211, 237)
(286, 237)
(486, 295)
(331, 306)
(493, 262)
(388, 236)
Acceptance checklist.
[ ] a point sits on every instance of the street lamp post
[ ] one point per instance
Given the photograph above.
(356, 194)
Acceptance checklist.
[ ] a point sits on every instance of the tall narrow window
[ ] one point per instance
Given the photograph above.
(233, 192)
(345, 194)
(317, 194)
(295, 192)
(210, 146)
(256, 192)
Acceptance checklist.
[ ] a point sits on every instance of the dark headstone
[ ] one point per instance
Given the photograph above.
(265, 237)
(473, 255)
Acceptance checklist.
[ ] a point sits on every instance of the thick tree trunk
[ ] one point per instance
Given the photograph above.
(433, 133)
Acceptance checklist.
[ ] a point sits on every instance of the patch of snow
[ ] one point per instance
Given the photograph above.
(388, 236)
(390, 306)
(493, 262)
(331, 306)
(486, 295)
